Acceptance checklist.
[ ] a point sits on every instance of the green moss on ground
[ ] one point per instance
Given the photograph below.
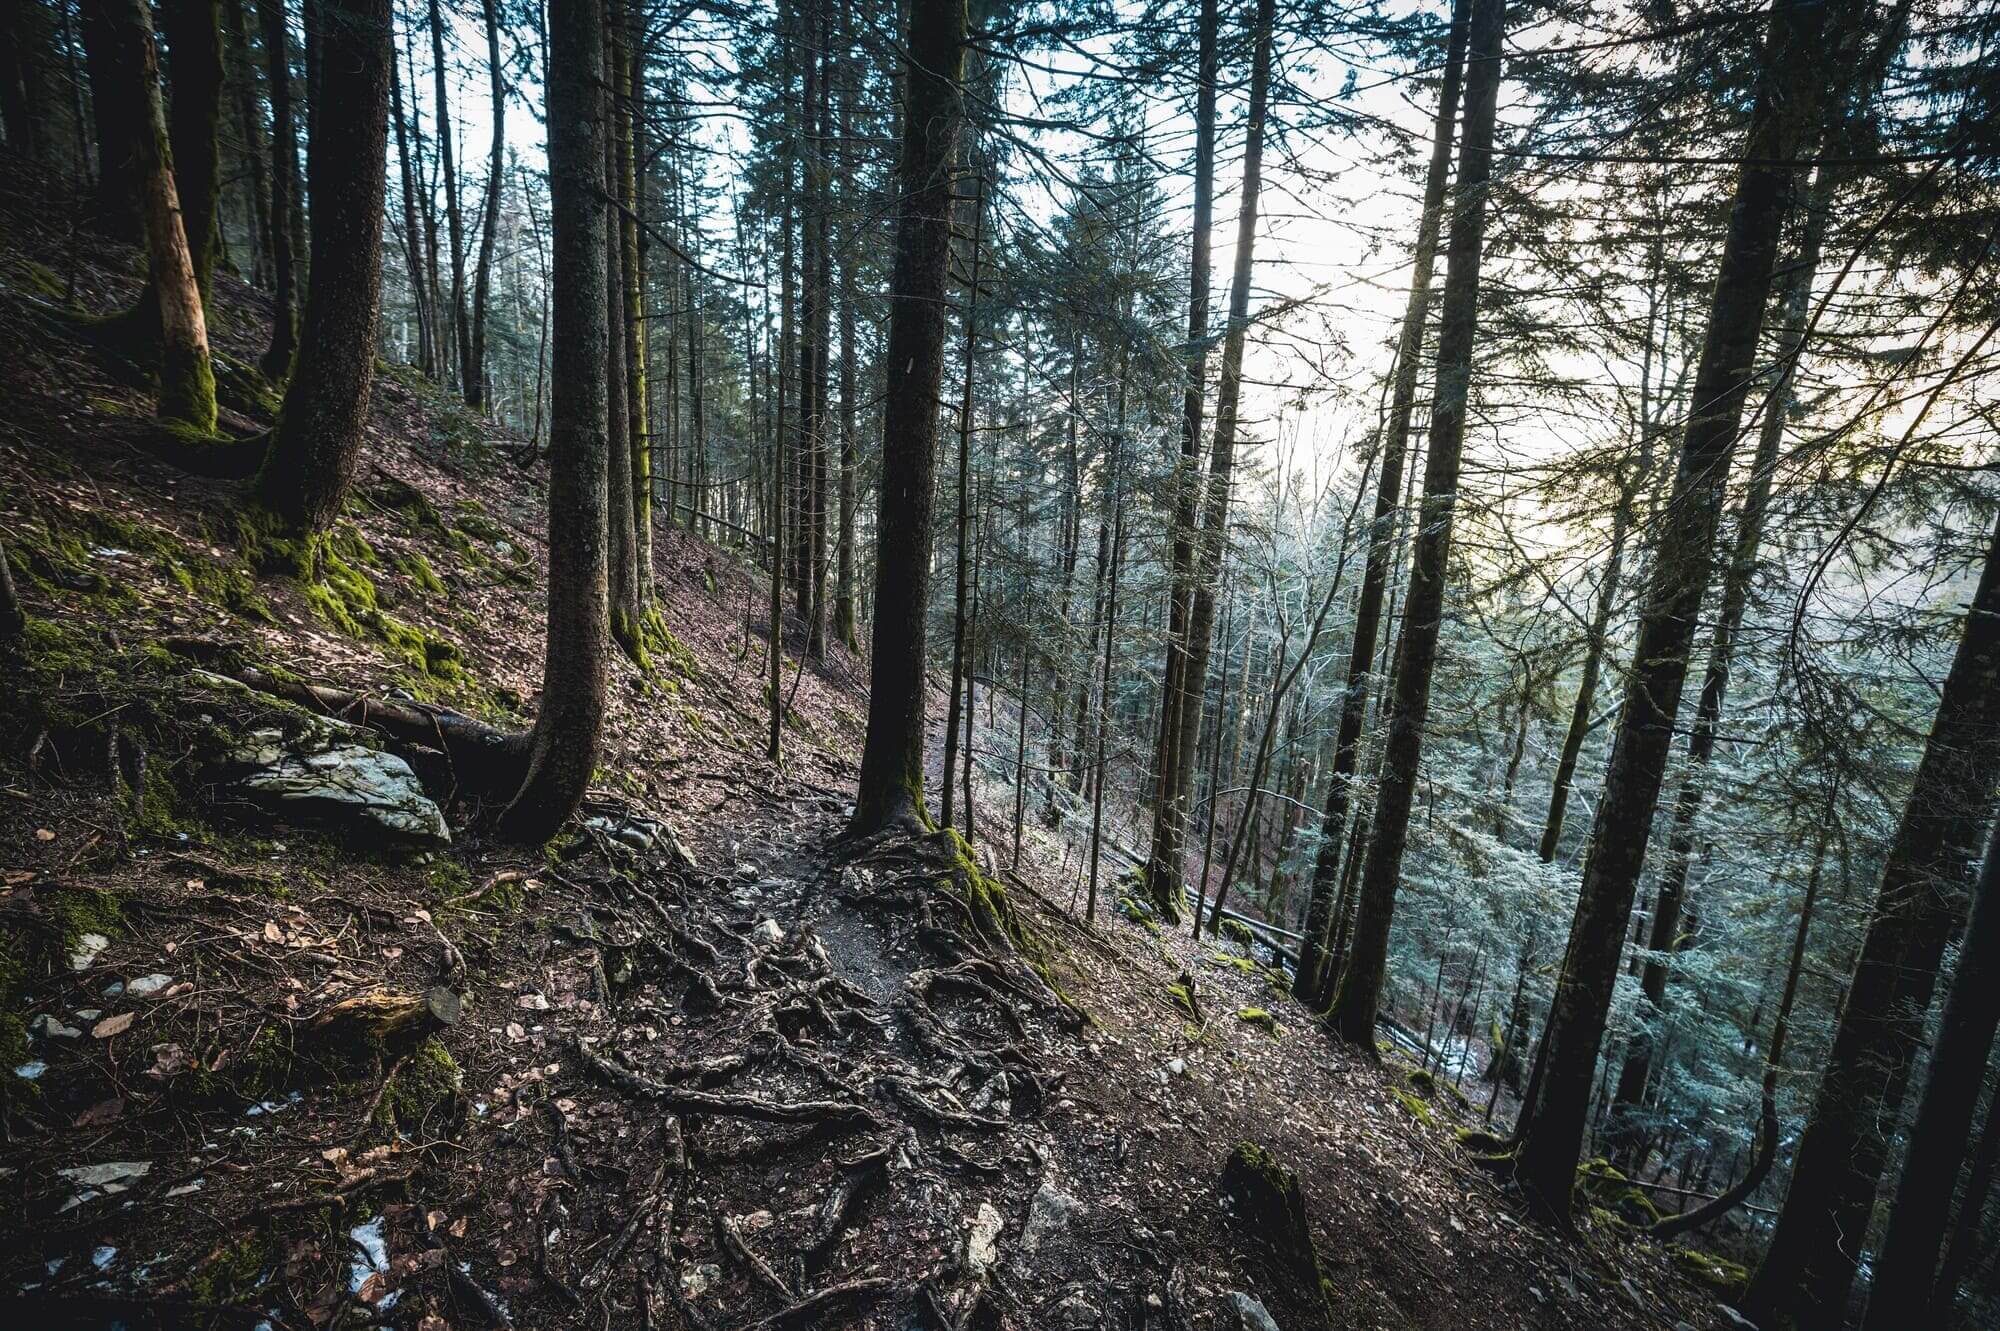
(232, 1271)
(1258, 1017)
(1725, 1277)
(58, 559)
(424, 1093)
(1599, 1183)
(1414, 1106)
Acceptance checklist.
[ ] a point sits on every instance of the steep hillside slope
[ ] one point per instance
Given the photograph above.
(305, 1062)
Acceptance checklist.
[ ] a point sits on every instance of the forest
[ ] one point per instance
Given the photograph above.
(973, 664)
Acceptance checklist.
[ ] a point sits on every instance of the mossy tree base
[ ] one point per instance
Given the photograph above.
(1268, 1201)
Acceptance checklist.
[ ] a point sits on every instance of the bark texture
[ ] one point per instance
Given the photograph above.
(1809, 1267)
(1787, 102)
(317, 443)
(1360, 986)
(1312, 983)
(891, 789)
(570, 719)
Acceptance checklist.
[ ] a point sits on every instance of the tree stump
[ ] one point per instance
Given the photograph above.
(1267, 1198)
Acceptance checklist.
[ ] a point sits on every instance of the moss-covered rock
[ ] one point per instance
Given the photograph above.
(1725, 1277)
(1258, 1017)
(1599, 1183)
(1414, 1106)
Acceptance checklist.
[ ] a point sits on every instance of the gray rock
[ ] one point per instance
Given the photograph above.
(1077, 1313)
(148, 985)
(1048, 1215)
(87, 948)
(46, 1027)
(1243, 1313)
(347, 784)
(982, 1245)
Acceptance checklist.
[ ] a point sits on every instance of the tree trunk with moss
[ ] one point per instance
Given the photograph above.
(187, 379)
(632, 282)
(317, 443)
(891, 789)
(570, 717)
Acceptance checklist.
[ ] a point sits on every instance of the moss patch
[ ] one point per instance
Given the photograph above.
(232, 1271)
(1725, 1277)
(1267, 1199)
(1258, 1017)
(424, 1094)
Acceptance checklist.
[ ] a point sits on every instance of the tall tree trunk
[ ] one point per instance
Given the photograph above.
(489, 228)
(817, 326)
(1354, 1005)
(1765, 1152)
(1787, 103)
(1312, 983)
(627, 605)
(413, 241)
(1666, 934)
(250, 125)
(118, 111)
(1809, 1266)
(891, 790)
(468, 371)
(570, 716)
(843, 587)
(123, 32)
(1907, 1264)
(961, 566)
(193, 29)
(632, 291)
(1214, 506)
(1166, 864)
(286, 205)
(1966, 1227)
(317, 443)
(1104, 686)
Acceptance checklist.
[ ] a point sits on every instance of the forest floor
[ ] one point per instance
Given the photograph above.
(711, 1067)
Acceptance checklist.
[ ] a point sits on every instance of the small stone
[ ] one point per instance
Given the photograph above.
(148, 985)
(112, 1175)
(698, 1280)
(46, 1027)
(532, 1002)
(1049, 1213)
(87, 948)
(1246, 1314)
(982, 1245)
(769, 931)
(1177, 1067)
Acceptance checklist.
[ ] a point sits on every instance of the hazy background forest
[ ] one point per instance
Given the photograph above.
(1500, 500)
